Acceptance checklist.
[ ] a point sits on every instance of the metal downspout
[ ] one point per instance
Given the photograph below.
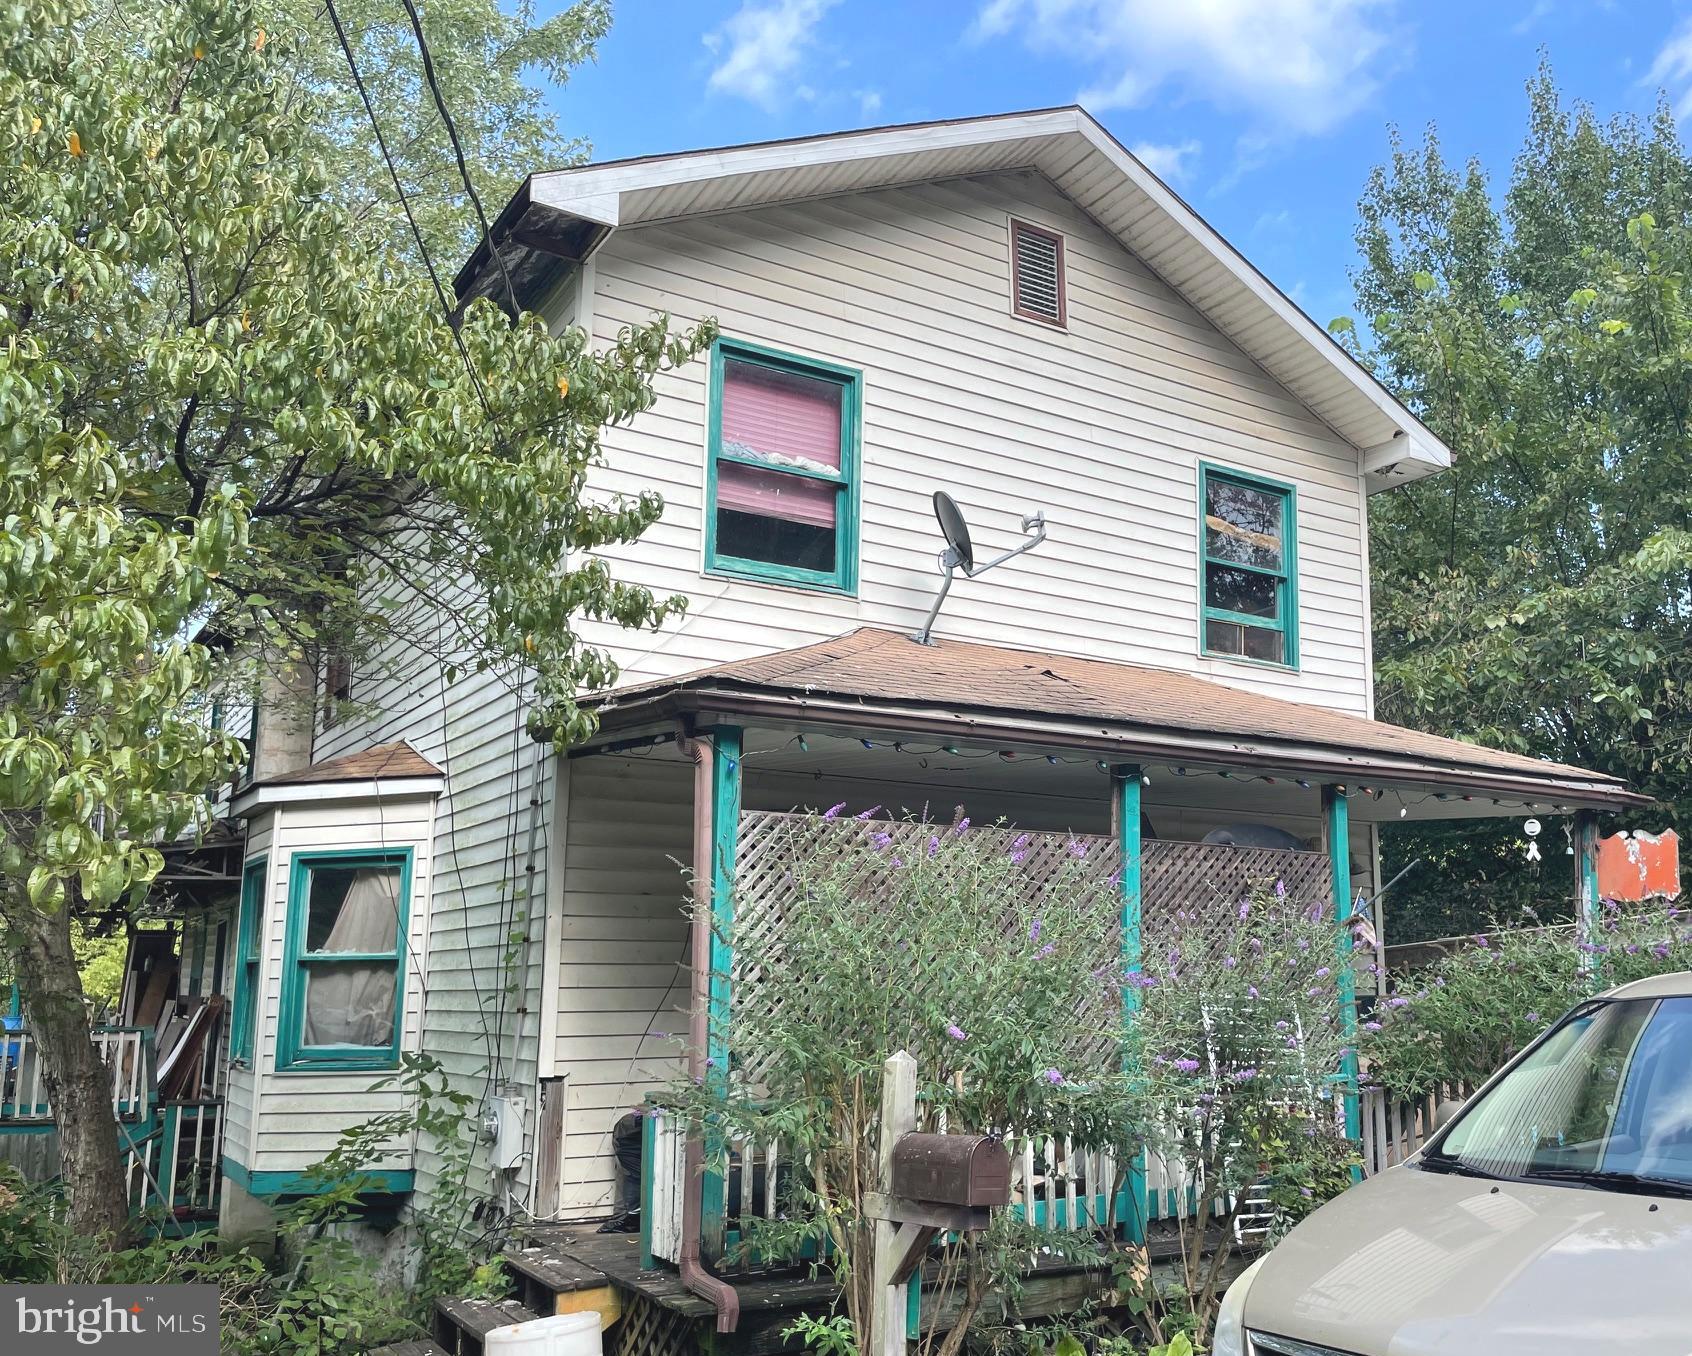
(694, 1276)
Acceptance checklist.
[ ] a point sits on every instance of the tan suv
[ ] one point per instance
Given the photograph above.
(1551, 1216)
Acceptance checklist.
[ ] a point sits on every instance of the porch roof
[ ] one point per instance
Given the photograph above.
(876, 679)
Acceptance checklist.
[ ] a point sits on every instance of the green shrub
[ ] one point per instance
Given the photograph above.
(1456, 1021)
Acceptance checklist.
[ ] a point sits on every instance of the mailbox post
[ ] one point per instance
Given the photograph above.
(933, 1183)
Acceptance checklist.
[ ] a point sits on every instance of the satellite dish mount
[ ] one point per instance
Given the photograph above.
(960, 553)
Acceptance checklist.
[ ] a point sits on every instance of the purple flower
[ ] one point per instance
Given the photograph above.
(898, 862)
(1304, 1192)
(1229, 963)
(962, 826)
(1660, 950)
(933, 845)
(1019, 856)
(1020, 843)
(1371, 1026)
(1533, 1018)
(1045, 951)
(1280, 888)
(1245, 909)
(1244, 1075)
(1304, 943)
(1053, 1077)
(1439, 980)
(1322, 972)
(867, 814)
(882, 841)
(956, 1032)
(1034, 931)
(1256, 945)
(1283, 1026)
(1186, 1066)
(1483, 941)
(1398, 1001)
(833, 811)
(1077, 848)
(1139, 979)
(1251, 992)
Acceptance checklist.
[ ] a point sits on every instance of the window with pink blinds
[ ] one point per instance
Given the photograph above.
(784, 420)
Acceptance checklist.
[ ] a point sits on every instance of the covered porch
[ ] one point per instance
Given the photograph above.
(1183, 791)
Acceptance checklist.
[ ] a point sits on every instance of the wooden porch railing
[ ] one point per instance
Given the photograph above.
(128, 1055)
(171, 1150)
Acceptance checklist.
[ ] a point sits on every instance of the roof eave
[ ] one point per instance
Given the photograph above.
(1114, 741)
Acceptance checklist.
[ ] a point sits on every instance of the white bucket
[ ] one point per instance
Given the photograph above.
(561, 1335)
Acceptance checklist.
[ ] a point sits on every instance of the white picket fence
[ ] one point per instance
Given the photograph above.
(23, 1095)
(1394, 1128)
(749, 1189)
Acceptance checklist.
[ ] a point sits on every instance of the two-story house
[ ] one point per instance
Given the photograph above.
(1013, 310)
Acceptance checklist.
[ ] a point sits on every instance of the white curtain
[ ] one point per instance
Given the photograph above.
(352, 1003)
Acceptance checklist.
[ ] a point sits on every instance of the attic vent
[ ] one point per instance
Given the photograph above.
(1037, 273)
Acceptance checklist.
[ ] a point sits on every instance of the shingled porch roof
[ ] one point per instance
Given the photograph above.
(879, 680)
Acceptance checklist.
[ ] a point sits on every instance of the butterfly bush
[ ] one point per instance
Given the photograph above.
(1453, 1023)
(1241, 1047)
(994, 964)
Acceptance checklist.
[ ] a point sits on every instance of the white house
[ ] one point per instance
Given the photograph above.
(1011, 309)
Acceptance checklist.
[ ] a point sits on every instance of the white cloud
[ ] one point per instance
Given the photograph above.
(762, 47)
(1542, 10)
(1295, 66)
(1170, 162)
(1672, 68)
(869, 102)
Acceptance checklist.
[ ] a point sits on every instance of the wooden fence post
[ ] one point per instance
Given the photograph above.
(887, 1301)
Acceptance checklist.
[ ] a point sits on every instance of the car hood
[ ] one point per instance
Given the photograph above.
(1413, 1263)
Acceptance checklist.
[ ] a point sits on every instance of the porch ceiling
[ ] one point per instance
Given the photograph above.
(878, 681)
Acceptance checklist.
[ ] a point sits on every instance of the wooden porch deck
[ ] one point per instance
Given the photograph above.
(661, 1317)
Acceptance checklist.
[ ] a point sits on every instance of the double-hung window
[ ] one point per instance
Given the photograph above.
(1247, 531)
(781, 491)
(249, 948)
(343, 978)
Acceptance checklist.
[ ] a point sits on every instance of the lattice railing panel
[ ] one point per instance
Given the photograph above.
(1191, 892)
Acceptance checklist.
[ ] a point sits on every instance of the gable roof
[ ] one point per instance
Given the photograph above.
(559, 217)
(874, 678)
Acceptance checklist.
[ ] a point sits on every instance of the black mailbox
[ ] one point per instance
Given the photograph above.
(963, 1170)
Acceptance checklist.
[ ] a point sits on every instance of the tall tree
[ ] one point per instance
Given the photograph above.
(223, 394)
(1536, 595)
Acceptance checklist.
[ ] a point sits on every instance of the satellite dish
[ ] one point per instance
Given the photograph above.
(955, 530)
(960, 552)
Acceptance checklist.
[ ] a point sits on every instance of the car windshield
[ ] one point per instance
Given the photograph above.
(1606, 1098)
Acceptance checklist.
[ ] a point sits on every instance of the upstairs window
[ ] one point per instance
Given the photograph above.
(1250, 563)
(1037, 283)
(343, 974)
(781, 494)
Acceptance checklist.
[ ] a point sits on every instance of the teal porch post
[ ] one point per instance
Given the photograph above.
(727, 745)
(1336, 826)
(1586, 889)
(1125, 809)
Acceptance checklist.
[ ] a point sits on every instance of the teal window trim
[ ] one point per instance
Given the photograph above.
(1286, 592)
(249, 949)
(844, 577)
(291, 1055)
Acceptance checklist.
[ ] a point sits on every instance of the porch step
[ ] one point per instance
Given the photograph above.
(551, 1281)
(461, 1324)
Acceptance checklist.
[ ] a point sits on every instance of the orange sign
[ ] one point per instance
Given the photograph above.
(1635, 866)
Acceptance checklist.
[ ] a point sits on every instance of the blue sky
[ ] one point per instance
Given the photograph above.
(1266, 114)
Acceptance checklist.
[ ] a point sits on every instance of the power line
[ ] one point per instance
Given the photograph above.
(458, 153)
(405, 206)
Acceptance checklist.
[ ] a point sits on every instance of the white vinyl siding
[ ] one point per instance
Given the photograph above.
(472, 729)
(285, 1122)
(1102, 425)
